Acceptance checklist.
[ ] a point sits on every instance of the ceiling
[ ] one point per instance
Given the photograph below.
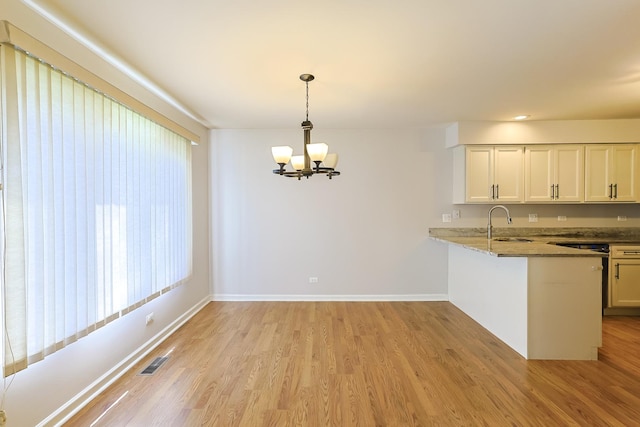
(377, 63)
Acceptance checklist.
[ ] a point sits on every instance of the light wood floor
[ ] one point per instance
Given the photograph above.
(367, 364)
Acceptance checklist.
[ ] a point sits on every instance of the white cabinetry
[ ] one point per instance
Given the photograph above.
(625, 283)
(554, 173)
(542, 307)
(488, 174)
(610, 174)
(550, 173)
(624, 276)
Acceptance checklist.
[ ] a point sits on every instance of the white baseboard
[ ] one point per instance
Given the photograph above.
(384, 297)
(66, 411)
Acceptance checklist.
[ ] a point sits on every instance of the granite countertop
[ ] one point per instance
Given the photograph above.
(534, 242)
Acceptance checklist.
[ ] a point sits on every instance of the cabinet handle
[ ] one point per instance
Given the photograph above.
(615, 191)
(611, 191)
(493, 192)
(497, 191)
(557, 191)
(617, 270)
(553, 192)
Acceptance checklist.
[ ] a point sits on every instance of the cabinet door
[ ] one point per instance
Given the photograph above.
(569, 173)
(625, 283)
(597, 173)
(539, 167)
(479, 174)
(624, 162)
(610, 174)
(508, 174)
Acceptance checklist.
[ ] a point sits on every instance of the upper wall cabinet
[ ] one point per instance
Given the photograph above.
(554, 173)
(486, 174)
(610, 173)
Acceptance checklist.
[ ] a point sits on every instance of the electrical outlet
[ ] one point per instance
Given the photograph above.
(533, 217)
(562, 218)
(456, 214)
(313, 280)
(446, 217)
(149, 318)
(622, 218)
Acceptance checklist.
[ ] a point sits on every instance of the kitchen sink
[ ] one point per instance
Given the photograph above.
(512, 239)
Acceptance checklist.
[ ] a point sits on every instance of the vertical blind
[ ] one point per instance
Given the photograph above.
(96, 208)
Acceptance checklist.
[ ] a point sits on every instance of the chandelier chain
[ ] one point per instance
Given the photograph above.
(307, 118)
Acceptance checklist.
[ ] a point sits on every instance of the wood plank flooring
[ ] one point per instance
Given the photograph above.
(366, 364)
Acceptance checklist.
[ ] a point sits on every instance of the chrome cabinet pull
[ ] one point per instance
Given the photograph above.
(493, 192)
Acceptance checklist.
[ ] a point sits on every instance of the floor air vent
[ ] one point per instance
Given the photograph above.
(157, 362)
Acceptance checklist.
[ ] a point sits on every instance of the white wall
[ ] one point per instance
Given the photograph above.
(46, 386)
(544, 132)
(363, 233)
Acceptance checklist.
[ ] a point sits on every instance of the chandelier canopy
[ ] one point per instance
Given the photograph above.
(325, 162)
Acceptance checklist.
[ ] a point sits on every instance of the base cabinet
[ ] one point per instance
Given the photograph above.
(542, 307)
(625, 283)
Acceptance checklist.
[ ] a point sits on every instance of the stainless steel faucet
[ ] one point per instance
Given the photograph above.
(489, 226)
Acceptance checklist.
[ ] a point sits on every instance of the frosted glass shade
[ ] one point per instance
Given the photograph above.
(282, 154)
(318, 151)
(297, 162)
(331, 161)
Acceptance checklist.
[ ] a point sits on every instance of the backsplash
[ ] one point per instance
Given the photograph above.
(548, 216)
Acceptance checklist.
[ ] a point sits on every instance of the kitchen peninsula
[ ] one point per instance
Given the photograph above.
(541, 299)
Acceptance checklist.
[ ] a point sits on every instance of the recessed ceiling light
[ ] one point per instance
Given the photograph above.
(522, 117)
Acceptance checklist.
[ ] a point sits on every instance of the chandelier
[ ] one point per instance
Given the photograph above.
(317, 153)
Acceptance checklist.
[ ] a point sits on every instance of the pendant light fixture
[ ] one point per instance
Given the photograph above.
(317, 153)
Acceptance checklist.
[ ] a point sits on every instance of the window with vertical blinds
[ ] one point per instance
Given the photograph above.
(96, 209)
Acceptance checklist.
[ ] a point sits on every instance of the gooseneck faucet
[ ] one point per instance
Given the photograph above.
(489, 226)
